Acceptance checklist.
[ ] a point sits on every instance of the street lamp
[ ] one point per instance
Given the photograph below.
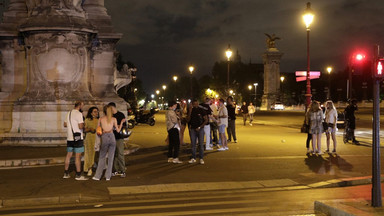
(250, 87)
(228, 53)
(308, 18)
(329, 70)
(282, 78)
(157, 92)
(175, 78)
(255, 84)
(230, 92)
(191, 69)
(164, 87)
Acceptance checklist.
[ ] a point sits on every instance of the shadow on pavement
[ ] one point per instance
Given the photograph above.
(326, 166)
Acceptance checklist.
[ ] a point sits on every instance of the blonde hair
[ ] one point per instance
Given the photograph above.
(330, 102)
(108, 113)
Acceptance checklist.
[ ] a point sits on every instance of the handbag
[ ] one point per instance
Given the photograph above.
(124, 132)
(76, 135)
(305, 128)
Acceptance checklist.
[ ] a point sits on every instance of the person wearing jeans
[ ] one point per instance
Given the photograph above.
(173, 127)
(207, 127)
(197, 118)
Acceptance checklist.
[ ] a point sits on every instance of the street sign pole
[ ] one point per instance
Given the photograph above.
(376, 184)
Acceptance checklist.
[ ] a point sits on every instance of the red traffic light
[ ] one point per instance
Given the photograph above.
(359, 57)
(378, 72)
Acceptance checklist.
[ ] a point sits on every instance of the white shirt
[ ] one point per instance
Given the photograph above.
(331, 116)
(76, 119)
(223, 112)
(251, 109)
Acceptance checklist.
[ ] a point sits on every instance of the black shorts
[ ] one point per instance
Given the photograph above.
(75, 144)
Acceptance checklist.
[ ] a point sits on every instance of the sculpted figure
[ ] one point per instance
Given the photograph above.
(271, 40)
(31, 4)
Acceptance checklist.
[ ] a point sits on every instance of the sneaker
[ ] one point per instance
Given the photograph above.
(192, 161)
(235, 141)
(221, 149)
(89, 173)
(250, 124)
(320, 152)
(107, 179)
(81, 178)
(327, 151)
(201, 161)
(334, 151)
(226, 148)
(122, 175)
(228, 140)
(114, 174)
(208, 148)
(308, 151)
(177, 161)
(66, 176)
(170, 160)
(96, 179)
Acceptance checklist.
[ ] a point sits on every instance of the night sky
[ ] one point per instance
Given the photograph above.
(162, 37)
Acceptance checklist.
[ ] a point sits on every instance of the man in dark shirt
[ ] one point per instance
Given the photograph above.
(349, 113)
(231, 129)
(197, 119)
(119, 160)
(207, 128)
(244, 112)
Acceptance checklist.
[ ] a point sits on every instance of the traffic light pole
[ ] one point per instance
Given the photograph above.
(376, 183)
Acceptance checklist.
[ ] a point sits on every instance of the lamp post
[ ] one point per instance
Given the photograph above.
(157, 93)
(282, 78)
(175, 78)
(164, 87)
(191, 69)
(255, 84)
(308, 18)
(329, 70)
(228, 53)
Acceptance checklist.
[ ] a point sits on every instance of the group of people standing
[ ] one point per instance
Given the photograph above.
(102, 141)
(202, 120)
(247, 111)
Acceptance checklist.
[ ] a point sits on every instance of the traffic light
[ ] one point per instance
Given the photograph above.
(378, 68)
(358, 63)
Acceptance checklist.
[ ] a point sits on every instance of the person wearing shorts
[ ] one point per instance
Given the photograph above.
(74, 123)
(223, 123)
(331, 120)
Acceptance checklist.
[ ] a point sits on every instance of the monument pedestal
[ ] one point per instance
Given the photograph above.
(271, 60)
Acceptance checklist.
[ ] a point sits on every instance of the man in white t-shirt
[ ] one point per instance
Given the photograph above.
(223, 123)
(74, 122)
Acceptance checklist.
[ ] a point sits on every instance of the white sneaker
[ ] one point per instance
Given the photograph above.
(177, 161)
(208, 148)
(66, 176)
(96, 179)
(226, 148)
(170, 160)
(320, 152)
(81, 178)
(221, 149)
(192, 161)
(89, 172)
(201, 161)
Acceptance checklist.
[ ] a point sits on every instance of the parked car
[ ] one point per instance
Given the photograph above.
(277, 106)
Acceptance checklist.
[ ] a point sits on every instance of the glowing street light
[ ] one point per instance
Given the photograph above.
(231, 92)
(191, 69)
(250, 87)
(228, 53)
(255, 84)
(308, 17)
(164, 87)
(157, 92)
(282, 78)
(329, 70)
(175, 78)
(152, 96)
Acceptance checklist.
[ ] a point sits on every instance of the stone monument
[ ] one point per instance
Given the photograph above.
(53, 53)
(271, 60)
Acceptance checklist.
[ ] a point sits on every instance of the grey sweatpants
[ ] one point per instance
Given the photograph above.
(108, 146)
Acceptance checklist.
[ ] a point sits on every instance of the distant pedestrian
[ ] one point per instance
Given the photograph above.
(75, 124)
(108, 143)
(90, 139)
(223, 123)
(331, 120)
(350, 118)
(251, 112)
(207, 127)
(316, 117)
(244, 112)
(231, 129)
(213, 123)
(119, 159)
(197, 119)
(183, 120)
(307, 123)
(173, 127)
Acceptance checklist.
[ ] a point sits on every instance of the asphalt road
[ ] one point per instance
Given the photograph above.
(273, 148)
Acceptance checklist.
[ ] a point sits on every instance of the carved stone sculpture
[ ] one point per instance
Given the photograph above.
(270, 41)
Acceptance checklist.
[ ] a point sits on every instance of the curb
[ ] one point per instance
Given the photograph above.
(36, 162)
(344, 182)
(65, 199)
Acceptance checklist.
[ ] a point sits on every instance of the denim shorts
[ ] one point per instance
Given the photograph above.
(222, 128)
(76, 147)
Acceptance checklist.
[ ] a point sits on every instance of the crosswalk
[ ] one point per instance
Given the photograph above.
(225, 202)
